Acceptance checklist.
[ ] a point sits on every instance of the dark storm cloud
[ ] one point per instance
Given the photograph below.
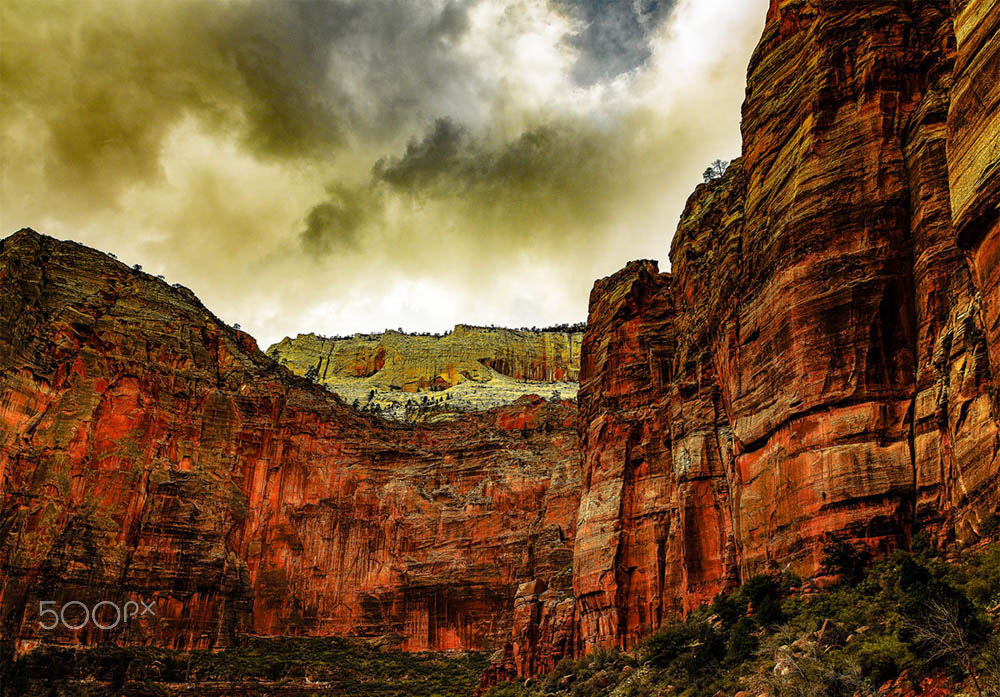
(335, 223)
(544, 168)
(552, 178)
(282, 53)
(614, 36)
(555, 158)
(443, 151)
(106, 81)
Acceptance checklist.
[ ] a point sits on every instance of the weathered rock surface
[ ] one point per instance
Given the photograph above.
(468, 369)
(851, 372)
(412, 362)
(150, 452)
(386, 369)
(974, 154)
(815, 367)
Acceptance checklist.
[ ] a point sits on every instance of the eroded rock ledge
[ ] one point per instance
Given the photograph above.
(427, 377)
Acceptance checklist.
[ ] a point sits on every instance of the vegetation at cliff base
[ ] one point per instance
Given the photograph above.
(329, 666)
(904, 620)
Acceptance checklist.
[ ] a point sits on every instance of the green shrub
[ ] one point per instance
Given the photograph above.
(761, 594)
(742, 643)
(849, 562)
(883, 657)
(668, 644)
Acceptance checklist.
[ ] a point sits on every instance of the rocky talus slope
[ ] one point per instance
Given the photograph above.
(148, 451)
(821, 364)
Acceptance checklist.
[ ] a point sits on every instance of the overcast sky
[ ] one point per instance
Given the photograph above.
(351, 165)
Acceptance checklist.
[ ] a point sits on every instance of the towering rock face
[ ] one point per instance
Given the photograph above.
(847, 366)
(654, 531)
(653, 527)
(974, 154)
(618, 563)
(816, 365)
(150, 452)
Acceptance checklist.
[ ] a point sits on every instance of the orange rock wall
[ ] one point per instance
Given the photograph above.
(149, 451)
(815, 366)
(848, 366)
(974, 153)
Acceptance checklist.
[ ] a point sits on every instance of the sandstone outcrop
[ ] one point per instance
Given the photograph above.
(849, 367)
(974, 154)
(815, 366)
(150, 452)
(468, 369)
(414, 362)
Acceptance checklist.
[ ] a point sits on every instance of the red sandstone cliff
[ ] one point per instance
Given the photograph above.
(149, 451)
(974, 155)
(821, 362)
(654, 530)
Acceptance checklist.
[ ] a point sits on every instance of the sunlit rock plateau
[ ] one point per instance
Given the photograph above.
(427, 377)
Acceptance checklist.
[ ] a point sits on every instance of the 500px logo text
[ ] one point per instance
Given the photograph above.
(101, 615)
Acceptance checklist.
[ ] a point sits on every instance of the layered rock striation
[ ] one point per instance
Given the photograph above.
(150, 452)
(974, 154)
(817, 365)
(414, 362)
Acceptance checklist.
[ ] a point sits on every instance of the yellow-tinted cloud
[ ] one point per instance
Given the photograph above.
(340, 165)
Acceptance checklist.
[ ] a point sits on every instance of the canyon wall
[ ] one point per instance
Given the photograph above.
(654, 534)
(148, 451)
(467, 370)
(974, 155)
(817, 365)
